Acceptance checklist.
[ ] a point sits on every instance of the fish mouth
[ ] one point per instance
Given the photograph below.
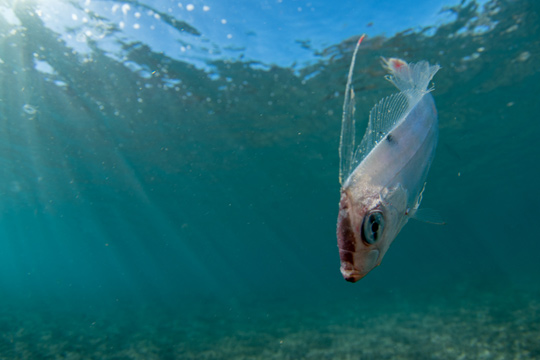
(355, 266)
(350, 273)
(352, 276)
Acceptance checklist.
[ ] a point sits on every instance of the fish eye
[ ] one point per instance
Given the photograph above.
(373, 227)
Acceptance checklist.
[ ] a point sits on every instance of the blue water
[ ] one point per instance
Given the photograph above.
(169, 182)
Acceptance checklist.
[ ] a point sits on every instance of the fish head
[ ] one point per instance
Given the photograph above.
(368, 223)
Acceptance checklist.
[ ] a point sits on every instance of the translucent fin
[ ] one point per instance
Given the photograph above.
(383, 117)
(412, 80)
(429, 216)
(410, 76)
(347, 138)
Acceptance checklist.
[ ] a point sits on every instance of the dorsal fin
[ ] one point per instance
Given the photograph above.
(348, 131)
(384, 116)
(412, 80)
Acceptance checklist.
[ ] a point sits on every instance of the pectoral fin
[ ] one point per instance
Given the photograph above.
(429, 216)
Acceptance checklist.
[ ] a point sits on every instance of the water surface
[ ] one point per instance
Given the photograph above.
(169, 191)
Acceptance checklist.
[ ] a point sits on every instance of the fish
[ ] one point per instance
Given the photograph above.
(383, 178)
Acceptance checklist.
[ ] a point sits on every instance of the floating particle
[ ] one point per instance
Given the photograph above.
(524, 56)
(512, 28)
(29, 109)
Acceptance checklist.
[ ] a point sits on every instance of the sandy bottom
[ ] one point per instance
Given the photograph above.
(486, 325)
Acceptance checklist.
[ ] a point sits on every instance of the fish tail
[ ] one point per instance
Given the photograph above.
(410, 76)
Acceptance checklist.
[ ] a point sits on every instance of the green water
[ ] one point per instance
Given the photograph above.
(153, 208)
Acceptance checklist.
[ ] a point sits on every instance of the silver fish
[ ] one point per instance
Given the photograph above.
(384, 177)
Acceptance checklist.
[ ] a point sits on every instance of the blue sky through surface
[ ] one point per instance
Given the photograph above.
(280, 32)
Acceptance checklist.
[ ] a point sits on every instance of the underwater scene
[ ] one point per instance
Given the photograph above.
(170, 180)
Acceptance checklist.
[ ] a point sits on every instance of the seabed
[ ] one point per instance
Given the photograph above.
(465, 325)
